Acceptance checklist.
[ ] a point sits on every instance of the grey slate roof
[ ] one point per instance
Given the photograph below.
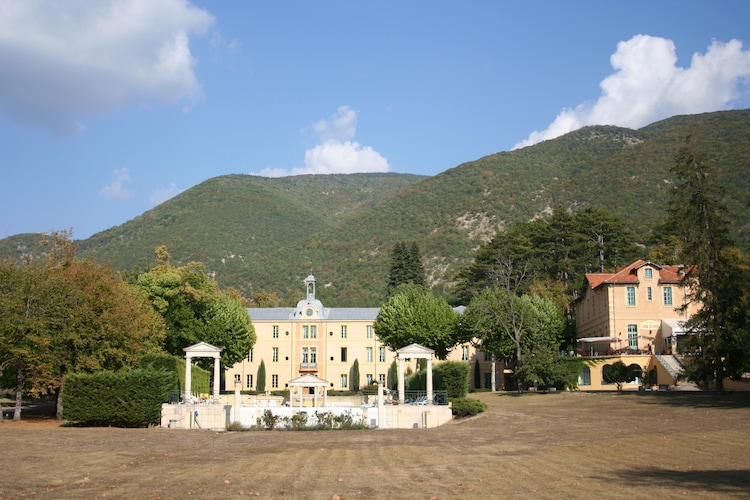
(329, 313)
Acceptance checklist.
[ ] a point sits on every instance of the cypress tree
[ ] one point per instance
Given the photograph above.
(355, 375)
(393, 375)
(260, 386)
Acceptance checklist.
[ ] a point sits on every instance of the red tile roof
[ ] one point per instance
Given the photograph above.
(629, 274)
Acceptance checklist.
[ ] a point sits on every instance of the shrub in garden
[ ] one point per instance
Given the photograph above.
(464, 407)
(268, 420)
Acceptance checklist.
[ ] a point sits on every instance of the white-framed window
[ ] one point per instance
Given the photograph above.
(649, 273)
(368, 354)
(344, 381)
(584, 378)
(368, 331)
(633, 336)
(249, 355)
(305, 332)
(314, 356)
(382, 355)
(667, 295)
(275, 354)
(369, 378)
(649, 294)
(630, 293)
(274, 381)
(305, 356)
(381, 379)
(249, 382)
(313, 331)
(275, 329)
(464, 353)
(343, 331)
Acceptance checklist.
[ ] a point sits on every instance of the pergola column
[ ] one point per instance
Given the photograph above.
(188, 377)
(217, 377)
(429, 380)
(401, 386)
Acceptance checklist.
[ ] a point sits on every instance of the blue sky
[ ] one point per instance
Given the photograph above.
(108, 108)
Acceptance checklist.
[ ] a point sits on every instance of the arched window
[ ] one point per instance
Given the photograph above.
(636, 372)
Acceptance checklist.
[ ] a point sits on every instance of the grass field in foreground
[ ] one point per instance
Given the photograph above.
(574, 444)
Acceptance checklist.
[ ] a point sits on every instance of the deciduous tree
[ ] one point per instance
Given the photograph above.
(413, 315)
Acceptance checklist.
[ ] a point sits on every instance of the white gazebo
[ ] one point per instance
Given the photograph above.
(202, 350)
(317, 387)
(414, 351)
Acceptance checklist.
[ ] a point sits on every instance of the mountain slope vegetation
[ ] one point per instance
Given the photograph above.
(259, 234)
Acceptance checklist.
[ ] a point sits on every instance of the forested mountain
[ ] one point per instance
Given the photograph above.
(259, 234)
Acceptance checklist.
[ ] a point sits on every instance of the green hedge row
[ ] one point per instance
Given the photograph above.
(130, 398)
(450, 376)
(201, 379)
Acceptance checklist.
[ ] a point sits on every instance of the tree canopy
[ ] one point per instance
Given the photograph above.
(718, 274)
(194, 310)
(413, 315)
(406, 266)
(63, 315)
(558, 249)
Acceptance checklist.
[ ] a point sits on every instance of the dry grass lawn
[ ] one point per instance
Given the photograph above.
(576, 445)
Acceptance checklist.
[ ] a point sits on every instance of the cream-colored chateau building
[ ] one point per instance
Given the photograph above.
(322, 341)
(641, 308)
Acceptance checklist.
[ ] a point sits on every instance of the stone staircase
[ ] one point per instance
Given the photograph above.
(674, 366)
(671, 363)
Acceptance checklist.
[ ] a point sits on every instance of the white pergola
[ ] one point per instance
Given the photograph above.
(414, 351)
(298, 385)
(202, 350)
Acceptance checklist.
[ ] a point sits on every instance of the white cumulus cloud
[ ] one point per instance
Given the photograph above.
(116, 190)
(647, 86)
(61, 60)
(336, 152)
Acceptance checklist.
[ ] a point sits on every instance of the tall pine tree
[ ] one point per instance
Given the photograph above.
(715, 272)
(406, 266)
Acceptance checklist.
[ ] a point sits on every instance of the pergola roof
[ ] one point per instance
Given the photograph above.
(308, 380)
(202, 349)
(415, 351)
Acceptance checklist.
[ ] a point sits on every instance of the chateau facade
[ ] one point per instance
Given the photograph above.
(641, 308)
(322, 341)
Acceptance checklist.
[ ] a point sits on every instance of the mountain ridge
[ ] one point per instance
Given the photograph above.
(265, 234)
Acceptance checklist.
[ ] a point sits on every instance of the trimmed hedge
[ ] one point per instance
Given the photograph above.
(454, 376)
(131, 398)
(449, 376)
(200, 378)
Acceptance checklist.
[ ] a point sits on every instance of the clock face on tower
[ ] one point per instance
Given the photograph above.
(309, 312)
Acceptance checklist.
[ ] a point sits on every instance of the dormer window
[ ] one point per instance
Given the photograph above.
(648, 273)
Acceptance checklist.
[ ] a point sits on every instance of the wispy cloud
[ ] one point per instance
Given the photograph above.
(116, 190)
(161, 195)
(88, 58)
(647, 86)
(336, 152)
